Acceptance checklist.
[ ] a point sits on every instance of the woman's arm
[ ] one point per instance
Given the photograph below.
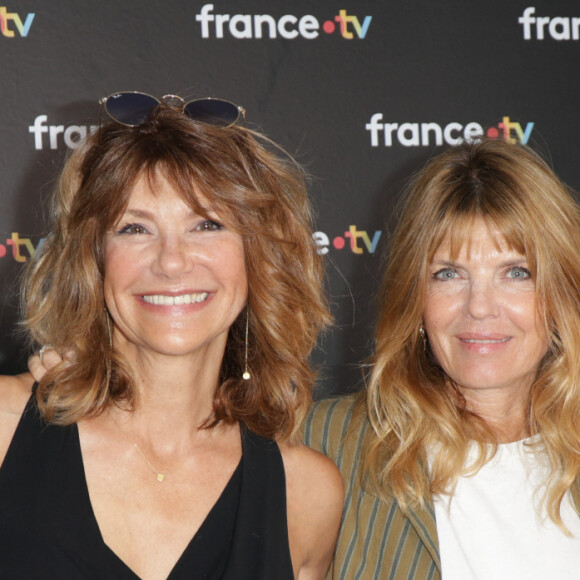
(315, 496)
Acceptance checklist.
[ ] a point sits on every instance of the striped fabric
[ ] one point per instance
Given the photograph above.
(376, 541)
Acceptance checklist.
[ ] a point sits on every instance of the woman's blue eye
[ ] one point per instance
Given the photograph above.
(209, 226)
(445, 274)
(519, 273)
(133, 229)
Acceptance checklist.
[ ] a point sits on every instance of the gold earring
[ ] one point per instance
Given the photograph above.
(109, 329)
(423, 335)
(246, 375)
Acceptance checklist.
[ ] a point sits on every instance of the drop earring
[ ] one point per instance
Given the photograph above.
(423, 335)
(109, 330)
(246, 375)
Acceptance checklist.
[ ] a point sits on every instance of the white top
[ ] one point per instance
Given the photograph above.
(490, 529)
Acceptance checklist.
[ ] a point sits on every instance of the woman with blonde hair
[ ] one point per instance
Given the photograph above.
(182, 272)
(461, 460)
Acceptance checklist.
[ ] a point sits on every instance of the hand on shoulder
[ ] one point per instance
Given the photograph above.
(39, 365)
(315, 498)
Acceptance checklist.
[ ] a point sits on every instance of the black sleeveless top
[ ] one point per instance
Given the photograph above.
(48, 530)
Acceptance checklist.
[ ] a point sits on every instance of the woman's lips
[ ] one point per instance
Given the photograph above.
(175, 300)
(484, 340)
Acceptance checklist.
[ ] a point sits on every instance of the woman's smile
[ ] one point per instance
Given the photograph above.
(175, 300)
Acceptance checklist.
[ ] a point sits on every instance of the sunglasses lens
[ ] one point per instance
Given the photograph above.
(130, 108)
(212, 112)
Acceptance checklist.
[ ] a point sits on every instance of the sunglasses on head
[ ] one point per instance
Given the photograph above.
(132, 108)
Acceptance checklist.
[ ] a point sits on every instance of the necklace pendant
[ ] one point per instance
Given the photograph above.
(160, 477)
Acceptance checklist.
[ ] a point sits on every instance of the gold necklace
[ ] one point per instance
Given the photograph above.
(160, 476)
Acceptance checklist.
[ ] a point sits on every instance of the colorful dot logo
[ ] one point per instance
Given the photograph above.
(347, 24)
(329, 27)
(358, 241)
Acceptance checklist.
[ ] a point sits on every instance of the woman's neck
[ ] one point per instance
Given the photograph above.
(172, 393)
(504, 412)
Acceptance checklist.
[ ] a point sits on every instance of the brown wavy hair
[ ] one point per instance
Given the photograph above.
(258, 191)
(412, 404)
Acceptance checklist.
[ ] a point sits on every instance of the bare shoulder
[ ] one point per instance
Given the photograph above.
(310, 470)
(14, 393)
(315, 496)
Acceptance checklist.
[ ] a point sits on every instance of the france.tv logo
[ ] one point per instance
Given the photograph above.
(288, 26)
(357, 241)
(9, 18)
(388, 134)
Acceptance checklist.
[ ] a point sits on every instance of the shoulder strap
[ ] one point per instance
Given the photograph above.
(16, 464)
(260, 547)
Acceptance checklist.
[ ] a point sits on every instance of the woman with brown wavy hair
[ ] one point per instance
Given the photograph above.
(182, 272)
(462, 459)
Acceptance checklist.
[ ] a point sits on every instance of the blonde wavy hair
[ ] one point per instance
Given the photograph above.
(257, 191)
(412, 404)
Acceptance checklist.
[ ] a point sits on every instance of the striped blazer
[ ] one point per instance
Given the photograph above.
(376, 541)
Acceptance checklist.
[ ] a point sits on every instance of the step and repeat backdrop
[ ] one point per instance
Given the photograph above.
(361, 92)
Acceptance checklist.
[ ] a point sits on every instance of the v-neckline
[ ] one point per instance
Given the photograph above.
(231, 487)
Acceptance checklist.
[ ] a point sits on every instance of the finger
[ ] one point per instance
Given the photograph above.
(36, 368)
(50, 358)
(69, 355)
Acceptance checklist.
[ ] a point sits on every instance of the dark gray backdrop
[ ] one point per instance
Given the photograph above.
(485, 65)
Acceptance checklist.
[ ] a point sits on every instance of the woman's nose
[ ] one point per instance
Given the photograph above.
(481, 300)
(174, 256)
